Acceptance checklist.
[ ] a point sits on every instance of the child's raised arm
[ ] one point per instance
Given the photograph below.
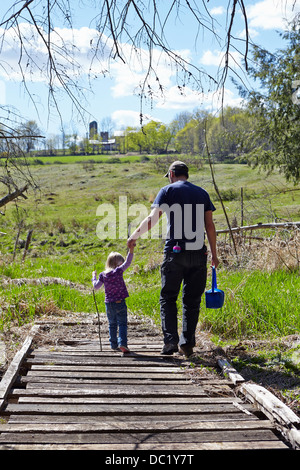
(96, 282)
(128, 260)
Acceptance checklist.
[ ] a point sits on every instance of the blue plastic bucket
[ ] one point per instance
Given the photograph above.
(214, 298)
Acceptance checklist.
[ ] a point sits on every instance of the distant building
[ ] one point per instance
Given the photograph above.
(93, 129)
(104, 136)
(106, 143)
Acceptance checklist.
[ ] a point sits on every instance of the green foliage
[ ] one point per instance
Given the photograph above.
(153, 138)
(275, 136)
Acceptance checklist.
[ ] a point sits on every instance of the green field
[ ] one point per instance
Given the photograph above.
(262, 285)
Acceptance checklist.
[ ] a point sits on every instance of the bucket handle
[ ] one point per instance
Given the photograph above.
(214, 279)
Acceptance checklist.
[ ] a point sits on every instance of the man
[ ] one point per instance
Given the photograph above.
(189, 213)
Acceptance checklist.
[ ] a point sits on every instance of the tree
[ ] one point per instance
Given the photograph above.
(228, 133)
(185, 138)
(275, 137)
(27, 133)
(191, 139)
(157, 137)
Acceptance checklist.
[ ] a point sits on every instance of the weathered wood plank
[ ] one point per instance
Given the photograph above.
(138, 438)
(14, 367)
(66, 419)
(109, 375)
(110, 381)
(101, 368)
(136, 426)
(129, 400)
(287, 421)
(270, 404)
(192, 446)
(229, 371)
(183, 389)
(140, 409)
(141, 391)
(141, 348)
(140, 361)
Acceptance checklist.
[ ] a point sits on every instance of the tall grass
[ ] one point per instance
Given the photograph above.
(262, 286)
(256, 304)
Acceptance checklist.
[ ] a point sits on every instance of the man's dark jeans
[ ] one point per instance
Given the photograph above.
(190, 269)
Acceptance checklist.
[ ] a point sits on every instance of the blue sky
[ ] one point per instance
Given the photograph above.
(115, 95)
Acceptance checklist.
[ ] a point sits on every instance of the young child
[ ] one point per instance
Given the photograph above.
(115, 294)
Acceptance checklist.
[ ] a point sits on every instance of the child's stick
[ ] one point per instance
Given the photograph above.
(98, 320)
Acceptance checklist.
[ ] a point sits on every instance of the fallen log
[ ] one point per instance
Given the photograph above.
(261, 226)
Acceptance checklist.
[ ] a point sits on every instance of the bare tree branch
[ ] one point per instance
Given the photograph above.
(10, 197)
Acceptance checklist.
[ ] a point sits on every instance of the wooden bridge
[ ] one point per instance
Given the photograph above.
(70, 395)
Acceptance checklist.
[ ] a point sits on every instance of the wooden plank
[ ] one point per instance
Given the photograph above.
(65, 419)
(136, 426)
(137, 438)
(287, 421)
(125, 392)
(98, 354)
(14, 367)
(192, 446)
(108, 381)
(181, 389)
(229, 371)
(99, 368)
(140, 361)
(130, 400)
(177, 376)
(94, 348)
(270, 405)
(22, 408)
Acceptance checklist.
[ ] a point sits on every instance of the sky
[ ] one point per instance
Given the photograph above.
(115, 95)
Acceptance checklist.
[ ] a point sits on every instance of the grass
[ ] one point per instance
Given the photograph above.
(64, 244)
(257, 304)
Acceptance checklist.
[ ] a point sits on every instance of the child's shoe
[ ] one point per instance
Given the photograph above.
(124, 350)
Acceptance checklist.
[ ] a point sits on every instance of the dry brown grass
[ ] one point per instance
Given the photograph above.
(279, 250)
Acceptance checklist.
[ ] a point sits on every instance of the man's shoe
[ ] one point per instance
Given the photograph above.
(169, 349)
(187, 351)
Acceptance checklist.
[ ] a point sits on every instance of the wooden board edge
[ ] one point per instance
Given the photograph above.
(14, 367)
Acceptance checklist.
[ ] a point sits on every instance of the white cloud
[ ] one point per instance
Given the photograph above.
(217, 11)
(174, 98)
(190, 99)
(251, 31)
(216, 58)
(271, 14)
(72, 51)
(214, 100)
(130, 79)
(128, 118)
